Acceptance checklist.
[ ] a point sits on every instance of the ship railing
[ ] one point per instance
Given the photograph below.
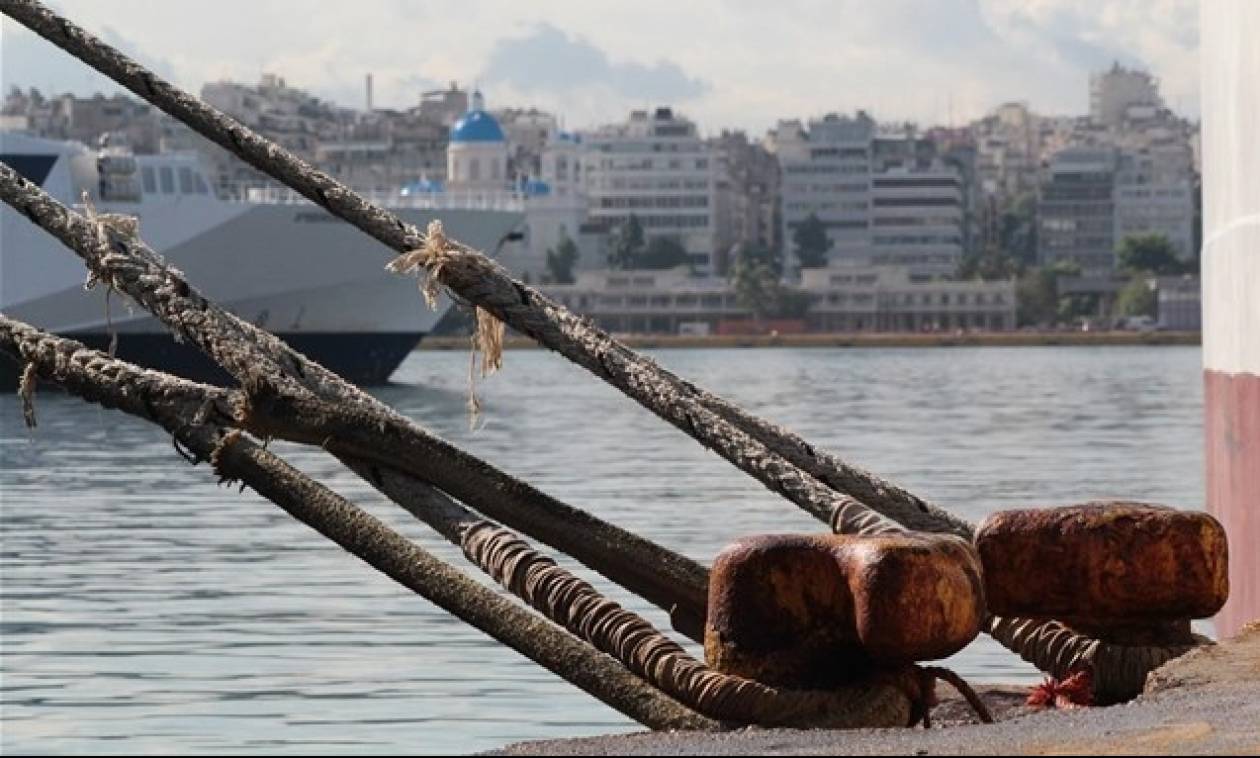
(499, 200)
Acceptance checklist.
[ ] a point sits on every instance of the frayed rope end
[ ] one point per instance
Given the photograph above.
(26, 391)
(428, 258)
(487, 337)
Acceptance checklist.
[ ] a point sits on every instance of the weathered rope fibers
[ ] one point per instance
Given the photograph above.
(173, 403)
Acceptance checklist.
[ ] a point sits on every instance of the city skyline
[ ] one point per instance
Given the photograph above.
(941, 64)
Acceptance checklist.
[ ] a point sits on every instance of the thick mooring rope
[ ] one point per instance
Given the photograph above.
(195, 415)
(896, 698)
(1118, 671)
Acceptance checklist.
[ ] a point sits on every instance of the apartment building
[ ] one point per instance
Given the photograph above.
(825, 170)
(655, 167)
(1154, 194)
(1076, 210)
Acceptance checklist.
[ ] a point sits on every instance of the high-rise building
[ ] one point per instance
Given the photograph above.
(1076, 210)
(655, 167)
(884, 197)
(1155, 195)
(917, 219)
(826, 173)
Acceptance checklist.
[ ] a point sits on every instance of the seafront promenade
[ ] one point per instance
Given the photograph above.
(868, 339)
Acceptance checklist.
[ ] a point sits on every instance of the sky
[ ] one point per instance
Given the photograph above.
(741, 64)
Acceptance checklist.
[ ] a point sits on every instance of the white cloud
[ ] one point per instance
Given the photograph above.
(741, 63)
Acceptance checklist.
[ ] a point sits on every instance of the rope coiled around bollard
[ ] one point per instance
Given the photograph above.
(893, 698)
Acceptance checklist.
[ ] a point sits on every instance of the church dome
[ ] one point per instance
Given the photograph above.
(477, 125)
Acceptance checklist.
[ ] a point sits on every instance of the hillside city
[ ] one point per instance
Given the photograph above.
(835, 223)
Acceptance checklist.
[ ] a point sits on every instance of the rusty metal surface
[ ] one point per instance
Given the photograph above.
(1099, 565)
(811, 610)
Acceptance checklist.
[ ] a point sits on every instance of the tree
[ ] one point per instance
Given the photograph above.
(1037, 298)
(1149, 254)
(757, 287)
(627, 244)
(812, 242)
(754, 287)
(663, 253)
(989, 264)
(1017, 230)
(753, 252)
(1137, 298)
(560, 262)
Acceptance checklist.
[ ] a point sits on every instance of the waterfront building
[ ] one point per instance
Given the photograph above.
(1076, 210)
(885, 198)
(1180, 303)
(842, 298)
(826, 173)
(917, 219)
(655, 167)
(1155, 195)
(556, 209)
(896, 299)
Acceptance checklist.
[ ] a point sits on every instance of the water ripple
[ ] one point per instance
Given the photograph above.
(145, 609)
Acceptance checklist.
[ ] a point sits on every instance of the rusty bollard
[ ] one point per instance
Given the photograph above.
(1125, 573)
(811, 611)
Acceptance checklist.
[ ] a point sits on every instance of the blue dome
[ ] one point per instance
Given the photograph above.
(477, 126)
(421, 186)
(535, 187)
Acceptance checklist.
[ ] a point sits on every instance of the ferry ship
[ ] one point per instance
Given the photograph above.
(262, 252)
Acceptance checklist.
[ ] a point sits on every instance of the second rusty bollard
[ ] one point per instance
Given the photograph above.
(1127, 573)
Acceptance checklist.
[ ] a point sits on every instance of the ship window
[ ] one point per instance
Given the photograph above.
(202, 189)
(150, 181)
(185, 180)
(167, 178)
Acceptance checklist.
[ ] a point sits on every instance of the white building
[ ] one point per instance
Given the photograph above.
(842, 298)
(826, 172)
(917, 219)
(895, 299)
(883, 199)
(1155, 195)
(556, 206)
(655, 167)
(477, 158)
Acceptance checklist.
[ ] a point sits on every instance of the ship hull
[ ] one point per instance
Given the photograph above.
(290, 268)
(364, 358)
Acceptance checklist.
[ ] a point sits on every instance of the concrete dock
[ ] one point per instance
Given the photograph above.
(1207, 702)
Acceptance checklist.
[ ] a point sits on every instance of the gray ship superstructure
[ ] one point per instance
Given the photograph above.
(262, 252)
